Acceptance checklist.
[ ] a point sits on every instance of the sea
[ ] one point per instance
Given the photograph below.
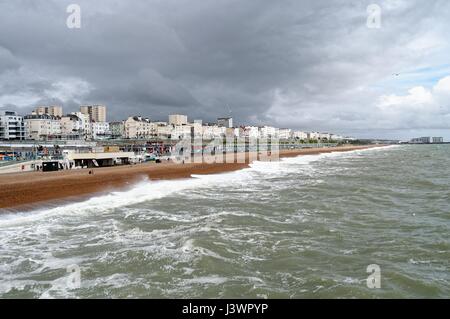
(361, 224)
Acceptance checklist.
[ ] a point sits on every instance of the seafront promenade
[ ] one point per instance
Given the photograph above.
(26, 156)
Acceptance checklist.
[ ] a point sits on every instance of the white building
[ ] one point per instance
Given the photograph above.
(422, 140)
(225, 122)
(249, 131)
(336, 137)
(268, 131)
(213, 131)
(181, 131)
(324, 136)
(198, 128)
(232, 132)
(11, 126)
(42, 127)
(75, 126)
(285, 133)
(86, 127)
(137, 127)
(163, 131)
(427, 140)
(237, 132)
(100, 130)
(177, 119)
(208, 132)
(300, 135)
(314, 136)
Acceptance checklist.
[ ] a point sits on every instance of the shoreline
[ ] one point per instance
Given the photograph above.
(27, 191)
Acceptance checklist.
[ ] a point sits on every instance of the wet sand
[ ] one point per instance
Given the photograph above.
(34, 189)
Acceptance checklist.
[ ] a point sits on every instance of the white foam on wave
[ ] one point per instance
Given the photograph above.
(150, 190)
(141, 192)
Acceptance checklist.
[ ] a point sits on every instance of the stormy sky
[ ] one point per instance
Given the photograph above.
(311, 65)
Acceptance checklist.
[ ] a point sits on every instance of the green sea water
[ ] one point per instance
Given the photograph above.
(305, 227)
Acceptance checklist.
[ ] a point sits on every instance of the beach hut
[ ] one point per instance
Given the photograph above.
(50, 166)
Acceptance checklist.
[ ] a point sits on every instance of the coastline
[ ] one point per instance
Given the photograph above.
(31, 190)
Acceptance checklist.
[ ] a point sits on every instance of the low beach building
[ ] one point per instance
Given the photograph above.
(99, 159)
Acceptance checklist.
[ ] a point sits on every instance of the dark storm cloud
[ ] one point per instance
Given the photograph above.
(302, 64)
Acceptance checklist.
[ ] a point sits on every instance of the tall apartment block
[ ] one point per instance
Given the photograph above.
(56, 111)
(177, 119)
(96, 113)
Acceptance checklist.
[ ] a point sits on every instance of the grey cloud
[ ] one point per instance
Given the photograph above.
(7, 60)
(221, 57)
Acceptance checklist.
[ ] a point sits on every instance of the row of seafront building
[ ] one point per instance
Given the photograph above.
(47, 123)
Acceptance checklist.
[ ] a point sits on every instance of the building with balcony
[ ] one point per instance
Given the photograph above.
(75, 126)
(117, 129)
(100, 130)
(42, 127)
(12, 126)
(137, 127)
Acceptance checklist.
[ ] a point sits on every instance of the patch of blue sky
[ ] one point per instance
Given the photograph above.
(402, 81)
